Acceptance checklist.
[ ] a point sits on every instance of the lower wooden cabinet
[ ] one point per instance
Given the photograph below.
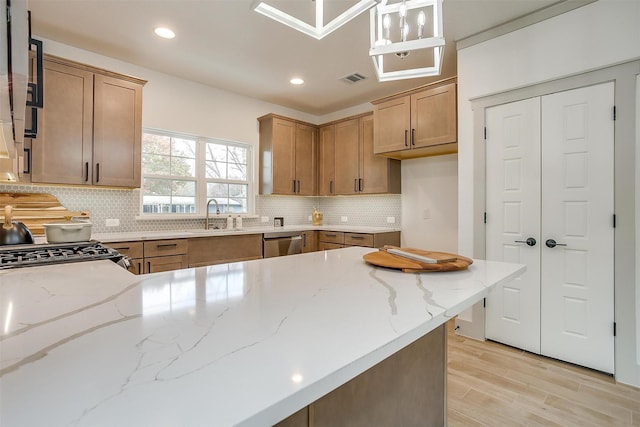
(406, 389)
(309, 241)
(337, 239)
(164, 263)
(133, 250)
(220, 249)
(154, 255)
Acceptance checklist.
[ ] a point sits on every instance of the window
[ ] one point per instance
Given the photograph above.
(180, 173)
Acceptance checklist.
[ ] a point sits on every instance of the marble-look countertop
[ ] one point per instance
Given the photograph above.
(182, 234)
(241, 344)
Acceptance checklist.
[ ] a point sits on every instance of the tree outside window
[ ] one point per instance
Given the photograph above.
(176, 177)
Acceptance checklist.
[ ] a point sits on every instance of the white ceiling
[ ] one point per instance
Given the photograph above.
(224, 44)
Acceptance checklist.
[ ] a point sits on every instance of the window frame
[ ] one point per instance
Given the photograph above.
(200, 177)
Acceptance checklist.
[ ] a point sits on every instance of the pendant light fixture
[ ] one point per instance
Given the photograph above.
(320, 30)
(399, 30)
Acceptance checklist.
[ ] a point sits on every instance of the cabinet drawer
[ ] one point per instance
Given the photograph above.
(130, 249)
(358, 239)
(332, 237)
(165, 263)
(165, 247)
(325, 246)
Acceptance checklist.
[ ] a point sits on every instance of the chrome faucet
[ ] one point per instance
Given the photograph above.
(206, 224)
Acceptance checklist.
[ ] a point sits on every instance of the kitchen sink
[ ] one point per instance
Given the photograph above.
(209, 231)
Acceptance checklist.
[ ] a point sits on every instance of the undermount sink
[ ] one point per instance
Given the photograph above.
(203, 231)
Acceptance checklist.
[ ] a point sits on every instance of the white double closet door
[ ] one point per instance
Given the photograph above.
(550, 205)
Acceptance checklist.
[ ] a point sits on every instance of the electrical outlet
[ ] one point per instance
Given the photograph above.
(344, 219)
(264, 219)
(391, 219)
(112, 222)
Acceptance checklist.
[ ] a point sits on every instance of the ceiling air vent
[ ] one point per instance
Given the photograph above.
(353, 78)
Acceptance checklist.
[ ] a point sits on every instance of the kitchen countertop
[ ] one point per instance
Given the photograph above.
(249, 343)
(181, 234)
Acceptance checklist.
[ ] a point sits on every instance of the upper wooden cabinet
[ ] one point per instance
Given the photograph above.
(326, 161)
(417, 124)
(357, 169)
(90, 129)
(287, 157)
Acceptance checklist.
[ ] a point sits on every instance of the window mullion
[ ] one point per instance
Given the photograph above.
(201, 182)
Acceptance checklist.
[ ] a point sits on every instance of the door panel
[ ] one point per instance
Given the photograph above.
(305, 160)
(577, 211)
(347, 157)
(513, 214)
(284, 135)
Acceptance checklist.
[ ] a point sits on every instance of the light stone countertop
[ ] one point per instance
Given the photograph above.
(241, 344)
(181, 234)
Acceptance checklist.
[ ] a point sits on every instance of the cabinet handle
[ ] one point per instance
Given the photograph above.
(294, 185)
(298, 186)
(148, 266)
(355, 185)
(413, 137)
(140, 271)
(330, 187)
(304, 240)
(330, 235)
(530, 241)
(165, 245)
(406, 133)
(97, 172)
(360, 184)
(86, 171)
(122, 248)
(357, 237)
(550, 243)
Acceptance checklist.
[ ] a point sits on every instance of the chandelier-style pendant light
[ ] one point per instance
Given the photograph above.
(320, 30)
(408, 27)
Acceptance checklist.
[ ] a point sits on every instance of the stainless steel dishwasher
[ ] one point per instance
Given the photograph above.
(281, 243)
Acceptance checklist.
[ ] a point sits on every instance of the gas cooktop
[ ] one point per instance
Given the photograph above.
(14, 256)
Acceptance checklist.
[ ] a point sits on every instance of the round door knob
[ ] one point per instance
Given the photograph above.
(530, 241)
(552, 243)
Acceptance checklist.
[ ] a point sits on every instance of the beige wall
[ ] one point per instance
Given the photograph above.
(430, 203)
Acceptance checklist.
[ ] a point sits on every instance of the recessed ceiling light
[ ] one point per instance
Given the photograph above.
(296, 81)
(164, 32)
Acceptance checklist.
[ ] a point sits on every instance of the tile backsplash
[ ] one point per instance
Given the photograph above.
(124, 205)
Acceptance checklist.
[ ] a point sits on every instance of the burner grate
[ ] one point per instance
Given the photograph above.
(30, 255)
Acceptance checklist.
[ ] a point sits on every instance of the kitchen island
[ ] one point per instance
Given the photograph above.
(246, 344)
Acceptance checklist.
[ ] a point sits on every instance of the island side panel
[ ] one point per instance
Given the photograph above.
(406, 389)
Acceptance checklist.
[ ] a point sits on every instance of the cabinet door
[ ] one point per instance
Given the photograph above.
(375, 170)
(326, 160)
(155, 248)
(433, 117)
(325, 246)
(283, 152)
(347, 168)
(391, 125)
(305, 163)
(61, 153)
(309, 241)
(117, 132)
(165, 263)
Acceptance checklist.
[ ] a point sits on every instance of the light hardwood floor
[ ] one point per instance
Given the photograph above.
(490, 384)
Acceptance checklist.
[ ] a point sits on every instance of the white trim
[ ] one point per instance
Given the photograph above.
(200, 178)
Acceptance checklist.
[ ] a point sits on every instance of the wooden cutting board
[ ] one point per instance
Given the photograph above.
(382, 258)
(35, 209)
